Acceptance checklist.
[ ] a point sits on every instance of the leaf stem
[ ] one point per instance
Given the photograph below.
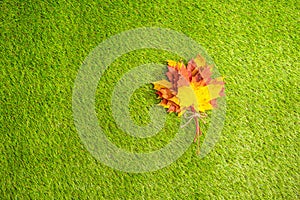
(198, 131)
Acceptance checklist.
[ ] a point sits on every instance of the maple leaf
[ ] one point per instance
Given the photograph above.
(200, 61)
(187, 98)
(173, 76)
(161, 84)
(169, 100)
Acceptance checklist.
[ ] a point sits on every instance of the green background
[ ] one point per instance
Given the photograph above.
(255, 45)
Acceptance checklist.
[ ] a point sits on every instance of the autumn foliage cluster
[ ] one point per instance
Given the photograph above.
(190, 89)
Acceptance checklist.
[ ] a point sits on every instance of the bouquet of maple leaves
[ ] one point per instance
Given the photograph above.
(190, 90)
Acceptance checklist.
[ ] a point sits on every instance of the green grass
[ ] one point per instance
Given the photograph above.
(255, 45)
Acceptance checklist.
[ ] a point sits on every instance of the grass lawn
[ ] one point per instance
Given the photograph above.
(255, 45)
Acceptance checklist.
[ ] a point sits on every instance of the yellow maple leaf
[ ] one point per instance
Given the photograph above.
(200, 61)
(203, 98)
(187, 97)
(174, 64)
(171, 63)
(205, 94)
(214, 90)
(162, 84)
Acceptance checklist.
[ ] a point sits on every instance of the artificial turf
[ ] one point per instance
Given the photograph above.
(255, 45)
